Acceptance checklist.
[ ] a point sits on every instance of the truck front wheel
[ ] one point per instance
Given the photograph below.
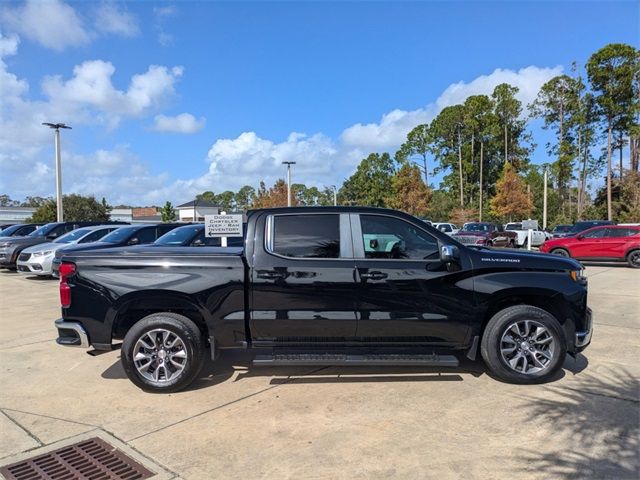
(163, 352)
(523, 344)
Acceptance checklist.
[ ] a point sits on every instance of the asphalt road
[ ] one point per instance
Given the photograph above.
(331, 423)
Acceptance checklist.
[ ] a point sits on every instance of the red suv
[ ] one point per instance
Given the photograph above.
(618, 243)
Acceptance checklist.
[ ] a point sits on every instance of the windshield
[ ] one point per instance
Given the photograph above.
(513, 226)
(119, 235)
(73, 235)
(7, 232)
(562, 228)
(475, 227)
(43, 230)
(179, 236)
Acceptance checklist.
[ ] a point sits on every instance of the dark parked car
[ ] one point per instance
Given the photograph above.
(586, 224)
(19, 230)
(612, 243)
(326, 286)
(193, 236)
(124, 236)
(11, 247)
(484, 233)
(560, 231)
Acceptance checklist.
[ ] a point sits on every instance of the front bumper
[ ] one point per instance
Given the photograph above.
(583, 337)
(8, 257)
(71, 334)
(40, 265)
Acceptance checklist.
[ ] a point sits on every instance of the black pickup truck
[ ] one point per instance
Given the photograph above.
(326, 286)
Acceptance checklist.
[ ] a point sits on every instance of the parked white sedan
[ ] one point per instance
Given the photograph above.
(448, 228)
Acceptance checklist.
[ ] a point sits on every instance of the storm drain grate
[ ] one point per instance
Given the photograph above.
(92, 459)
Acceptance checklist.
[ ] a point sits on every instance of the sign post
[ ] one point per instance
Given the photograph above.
(223, 226)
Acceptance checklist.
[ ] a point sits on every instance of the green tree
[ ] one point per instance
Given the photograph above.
(418, 144)
(371, 182)
(75, 208)
(558, 104)
(226, 200)
(168, 213)
(447, 131)
(509, 110)
(5, 201)
(613, 74)
(408, 192)
(35, 202)
(207, 196)
(244, 197)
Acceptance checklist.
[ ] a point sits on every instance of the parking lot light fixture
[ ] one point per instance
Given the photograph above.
(288, 164)
(57, 127)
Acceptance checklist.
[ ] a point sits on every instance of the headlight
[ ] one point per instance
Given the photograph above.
(577, 275)
(42, 254)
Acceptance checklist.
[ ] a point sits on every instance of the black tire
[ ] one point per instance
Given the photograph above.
(499, 327)
(186, 331)
(512, 243)
(489, 243)
(633, 258)
(560, 252)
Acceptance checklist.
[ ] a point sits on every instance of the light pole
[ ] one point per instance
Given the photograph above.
(335, 195)
(544, 200)
(57, 127)
(288, 164)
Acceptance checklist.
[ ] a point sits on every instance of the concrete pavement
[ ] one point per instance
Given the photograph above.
(327, 423)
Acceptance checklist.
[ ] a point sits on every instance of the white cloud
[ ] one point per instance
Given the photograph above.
(394, 126)
(161, 16)
(91, 87)
(51, 23)
(111, 19)
(183, 123)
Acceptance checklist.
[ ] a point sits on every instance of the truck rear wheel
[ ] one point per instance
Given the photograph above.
(523, 344)
(163, 352)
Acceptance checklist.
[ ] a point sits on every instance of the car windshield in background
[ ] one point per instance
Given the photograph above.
(119, 235)
(475, 227)
(179, 236)
(7, 232)
(562, 228)
(43, 230)
(513, 226)
(72, 236)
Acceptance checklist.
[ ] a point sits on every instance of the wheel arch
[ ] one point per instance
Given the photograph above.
(133, 307)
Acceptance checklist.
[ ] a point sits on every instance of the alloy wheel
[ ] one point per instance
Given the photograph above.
(160, 356)
(527, 347)
(634, 258)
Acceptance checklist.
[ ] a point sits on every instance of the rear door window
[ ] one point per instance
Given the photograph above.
(146, 235)
(306, 236)
(598, 233)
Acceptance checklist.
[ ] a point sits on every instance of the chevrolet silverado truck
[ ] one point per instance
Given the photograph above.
(326, 286)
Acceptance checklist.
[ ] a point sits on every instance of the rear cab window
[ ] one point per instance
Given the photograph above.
(305, 236)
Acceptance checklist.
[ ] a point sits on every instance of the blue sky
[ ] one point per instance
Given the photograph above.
(172, 98)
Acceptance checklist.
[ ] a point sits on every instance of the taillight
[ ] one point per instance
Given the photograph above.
(66, 270)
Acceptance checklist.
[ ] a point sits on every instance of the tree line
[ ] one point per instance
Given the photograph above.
(481, 150)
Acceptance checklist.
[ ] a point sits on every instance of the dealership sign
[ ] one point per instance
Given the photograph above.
(223, 225)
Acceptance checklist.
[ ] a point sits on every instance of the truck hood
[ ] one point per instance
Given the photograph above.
(490, 258)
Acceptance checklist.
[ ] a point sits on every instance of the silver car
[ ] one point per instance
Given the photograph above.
(37, 260)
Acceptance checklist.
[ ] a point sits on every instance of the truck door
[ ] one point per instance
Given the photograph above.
(303, 280)
(405, 293)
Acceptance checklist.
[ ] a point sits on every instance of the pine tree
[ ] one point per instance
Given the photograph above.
(511, 200)
(408, 191)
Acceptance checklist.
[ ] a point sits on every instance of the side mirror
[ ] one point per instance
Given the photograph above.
(449, 253)
(198, 243)
(373, 244)
(52, 236)
(579, 237)
(134, 241)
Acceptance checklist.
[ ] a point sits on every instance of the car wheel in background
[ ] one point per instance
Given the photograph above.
(560, 252)
(633, 259)
(523, 344)
(512, 244)
(163, 352)
(489, 243)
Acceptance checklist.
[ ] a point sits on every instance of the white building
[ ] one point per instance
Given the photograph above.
(195, 210)
(15, 214)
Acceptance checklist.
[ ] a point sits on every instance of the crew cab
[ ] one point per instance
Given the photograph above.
(326, 286)
(611, 243)
(484, 233)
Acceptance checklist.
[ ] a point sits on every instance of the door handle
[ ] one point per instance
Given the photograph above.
(374, 275)
(270, 275)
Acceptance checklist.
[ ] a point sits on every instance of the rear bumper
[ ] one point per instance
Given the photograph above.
(583, 337)
(71, 334)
